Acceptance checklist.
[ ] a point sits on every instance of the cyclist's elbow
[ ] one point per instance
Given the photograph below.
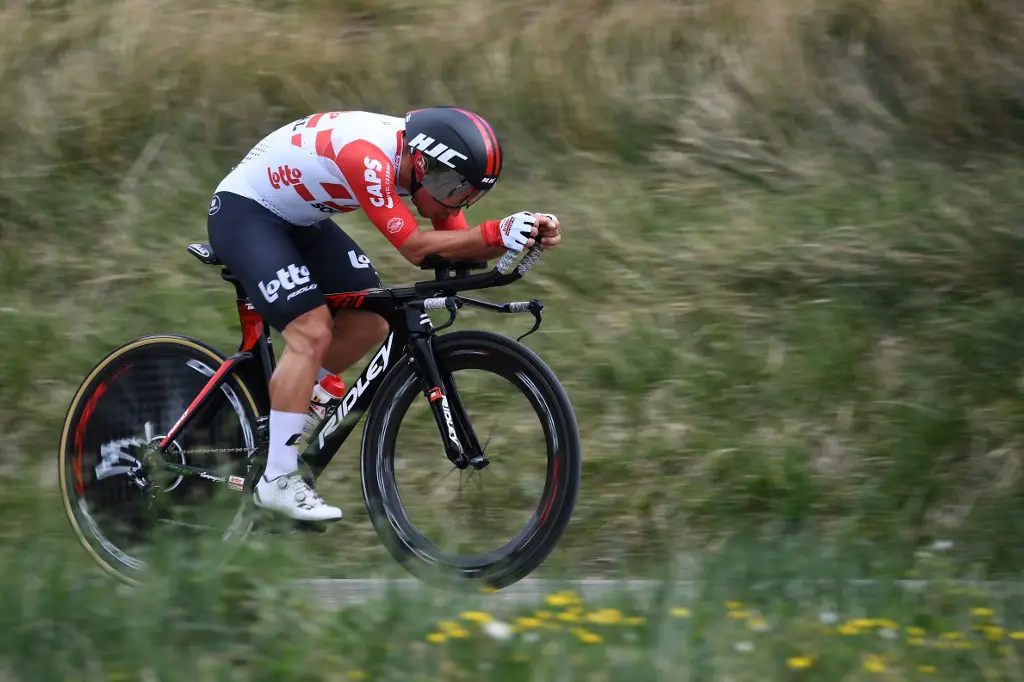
(414, 250)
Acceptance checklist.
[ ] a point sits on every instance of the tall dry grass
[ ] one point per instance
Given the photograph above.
(791, 295)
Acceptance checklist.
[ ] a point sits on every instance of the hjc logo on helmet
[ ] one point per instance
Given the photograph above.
(440, 151)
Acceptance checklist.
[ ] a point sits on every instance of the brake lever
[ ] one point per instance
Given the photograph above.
(452, 305)
(535, 306)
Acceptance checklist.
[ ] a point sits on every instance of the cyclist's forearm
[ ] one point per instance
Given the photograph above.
(454, 245)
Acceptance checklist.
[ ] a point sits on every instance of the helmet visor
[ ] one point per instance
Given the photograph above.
(447, 186)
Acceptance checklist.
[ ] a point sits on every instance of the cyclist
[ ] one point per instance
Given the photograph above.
(269, 224)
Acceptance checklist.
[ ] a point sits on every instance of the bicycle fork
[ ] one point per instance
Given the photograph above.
(460, 441)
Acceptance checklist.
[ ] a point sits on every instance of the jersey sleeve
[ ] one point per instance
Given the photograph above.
(371, 175)
(452, 222)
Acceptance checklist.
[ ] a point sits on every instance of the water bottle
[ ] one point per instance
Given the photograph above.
(326, 392)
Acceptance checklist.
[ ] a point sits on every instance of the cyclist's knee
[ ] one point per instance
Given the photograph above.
(310, 334)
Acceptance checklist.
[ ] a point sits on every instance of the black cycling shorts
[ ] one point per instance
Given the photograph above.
(284, 268)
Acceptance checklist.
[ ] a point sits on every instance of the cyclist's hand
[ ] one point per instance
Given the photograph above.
(547, 230)
(517, 231)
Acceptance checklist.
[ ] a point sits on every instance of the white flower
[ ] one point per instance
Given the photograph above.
(495, 629)
(828, 618)
(888, 634)
(942, 545)
(744, 647)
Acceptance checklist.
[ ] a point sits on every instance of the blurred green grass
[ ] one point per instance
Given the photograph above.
(788, 296)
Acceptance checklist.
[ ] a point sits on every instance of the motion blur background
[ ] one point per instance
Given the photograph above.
(787, 304)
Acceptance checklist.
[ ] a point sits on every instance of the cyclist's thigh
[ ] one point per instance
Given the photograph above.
(335, 261)
(256, 247)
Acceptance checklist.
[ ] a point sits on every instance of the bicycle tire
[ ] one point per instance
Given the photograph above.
(530, 547)
(85, 400)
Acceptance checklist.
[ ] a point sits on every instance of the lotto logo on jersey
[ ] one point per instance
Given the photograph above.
(379, 196)
(287, 280)
(284, 175)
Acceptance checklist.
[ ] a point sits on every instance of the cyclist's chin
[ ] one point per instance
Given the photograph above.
(428, 207)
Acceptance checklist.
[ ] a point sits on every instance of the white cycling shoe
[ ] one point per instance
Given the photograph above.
(292, 496)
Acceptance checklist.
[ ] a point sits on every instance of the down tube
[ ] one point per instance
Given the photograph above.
(334, 430)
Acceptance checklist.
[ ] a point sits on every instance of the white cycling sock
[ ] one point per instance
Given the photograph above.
(283, 458)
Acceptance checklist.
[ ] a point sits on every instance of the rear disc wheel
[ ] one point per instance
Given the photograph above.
(122, 497)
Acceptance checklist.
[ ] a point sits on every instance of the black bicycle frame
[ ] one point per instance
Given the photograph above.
(410, 336)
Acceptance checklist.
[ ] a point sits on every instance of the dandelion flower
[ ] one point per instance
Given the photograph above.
(633, 620)
(995, 633)
(916, 632)
(562, 599)
(476, 616)
(916, 641)
(757, 624)
(849, 629)
(680, 612)
(1017, 635)
(605, 616)
(981, 612)
(926, 669)
(799, 662)
(874, 663)
(436, 637)
(528, 623)
(739, 615)
(586, 636)
(733, 605)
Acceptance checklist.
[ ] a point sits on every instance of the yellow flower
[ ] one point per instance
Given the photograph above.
(605, 616)
(848, 629)
(733, 605)
(1017, 635)
(739, 615)
(995, 633)
(926, 669)
(569, 616)
(874, 663)
(916, 641)
(436, 638)
(981, 612)
(951, 635)
(757, 623)
(586, 636)
(965, 646)
(542, 614)
(680, 612)
(887, 624)
(799, 662)
(916, 632)
(476, 617)
(356, 675)
(562, 599)
(633, 620)
(447, 626)
(528, 622)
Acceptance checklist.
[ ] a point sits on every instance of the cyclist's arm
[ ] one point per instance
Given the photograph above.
(361, 162)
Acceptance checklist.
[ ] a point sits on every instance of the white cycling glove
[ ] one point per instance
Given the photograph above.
(515, 230)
